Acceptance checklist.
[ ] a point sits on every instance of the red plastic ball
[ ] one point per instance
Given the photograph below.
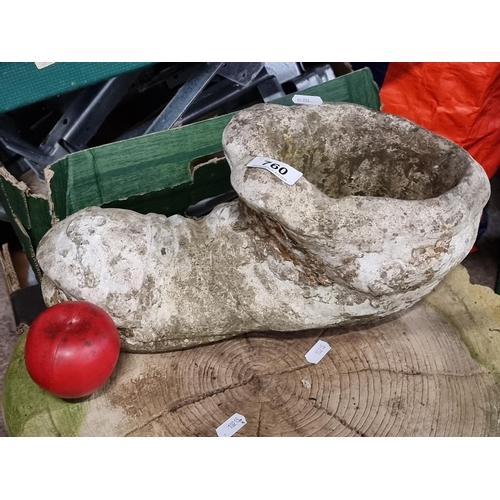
(72, 349)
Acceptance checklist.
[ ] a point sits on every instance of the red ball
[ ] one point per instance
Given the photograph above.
(72, 349)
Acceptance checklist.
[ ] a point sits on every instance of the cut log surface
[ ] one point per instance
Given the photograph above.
(433, 370)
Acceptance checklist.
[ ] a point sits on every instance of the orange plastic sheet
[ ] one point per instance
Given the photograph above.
(460, 101)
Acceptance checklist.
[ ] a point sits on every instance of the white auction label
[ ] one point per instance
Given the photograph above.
(43, 65)
(317, 352)
(231, 425)
(281, 170)
(307, 99)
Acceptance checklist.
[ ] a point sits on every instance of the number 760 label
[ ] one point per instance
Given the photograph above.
(283, 171)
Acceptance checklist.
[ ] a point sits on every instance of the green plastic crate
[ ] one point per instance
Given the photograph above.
(23, 83)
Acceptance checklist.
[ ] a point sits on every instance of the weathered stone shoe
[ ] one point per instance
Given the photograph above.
(383, 210)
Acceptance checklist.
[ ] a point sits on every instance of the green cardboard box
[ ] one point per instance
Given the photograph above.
(165, 172)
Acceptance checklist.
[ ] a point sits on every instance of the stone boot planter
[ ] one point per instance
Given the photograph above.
(383, 211)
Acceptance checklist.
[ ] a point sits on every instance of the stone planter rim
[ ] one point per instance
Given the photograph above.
(253, 184)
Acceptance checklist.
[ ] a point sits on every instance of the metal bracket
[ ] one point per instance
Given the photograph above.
(218, 95)
(84, 116)
(241, 73)
(318, 75)
(78, 124)
(183, 98)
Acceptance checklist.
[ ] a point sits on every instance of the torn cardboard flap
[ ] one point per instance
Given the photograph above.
(14, 194)
(132, 168)
(27, 213)
(8, 271)
(48, 176)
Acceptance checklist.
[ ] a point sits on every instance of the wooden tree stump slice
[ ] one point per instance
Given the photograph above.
(430, 371)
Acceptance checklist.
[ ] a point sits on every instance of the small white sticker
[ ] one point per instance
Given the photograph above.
(231, 425)
(283, 171)
(307, 99)
(318, 352)
(43, 65)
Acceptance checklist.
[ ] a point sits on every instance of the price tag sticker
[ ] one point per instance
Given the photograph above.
(283, 171)
(317, 352)
(43, 65)
(307, 99)
(231, 425)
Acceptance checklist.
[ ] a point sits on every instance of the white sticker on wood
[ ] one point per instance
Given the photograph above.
(318, 352)
(231, 425)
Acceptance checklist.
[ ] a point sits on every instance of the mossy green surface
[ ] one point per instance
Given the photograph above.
(473, 311)
(31, 411)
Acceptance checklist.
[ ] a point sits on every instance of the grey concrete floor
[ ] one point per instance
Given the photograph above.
(482, 266)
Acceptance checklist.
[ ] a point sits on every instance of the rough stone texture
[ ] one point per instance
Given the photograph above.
(384, 211)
